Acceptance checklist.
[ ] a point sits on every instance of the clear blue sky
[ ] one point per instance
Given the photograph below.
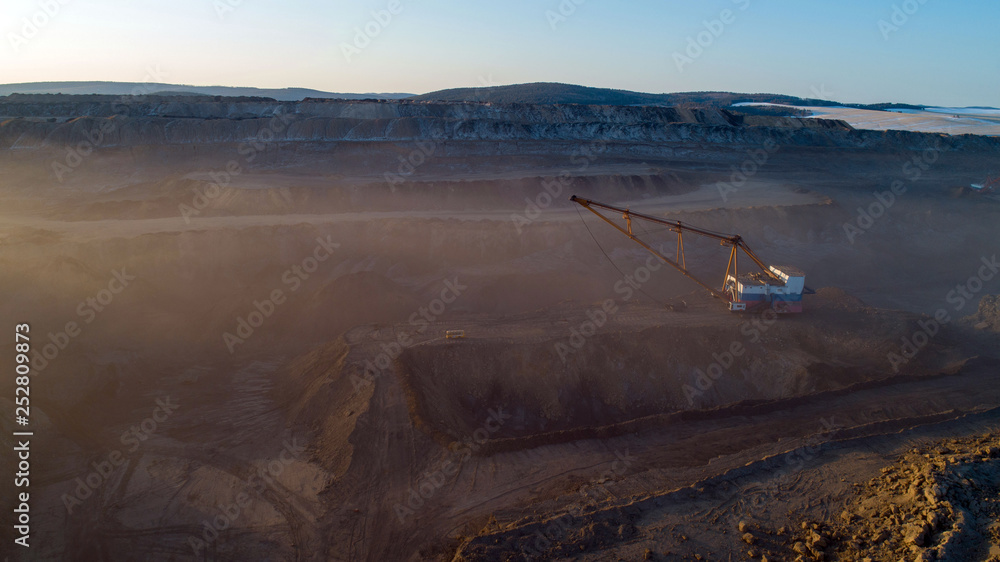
(945, 53)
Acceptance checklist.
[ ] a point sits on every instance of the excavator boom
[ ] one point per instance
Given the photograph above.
(736, 290)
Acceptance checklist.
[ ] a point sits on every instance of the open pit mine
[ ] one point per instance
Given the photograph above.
(382, 330)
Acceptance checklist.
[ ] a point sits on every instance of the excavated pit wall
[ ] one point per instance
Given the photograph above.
(619, 376)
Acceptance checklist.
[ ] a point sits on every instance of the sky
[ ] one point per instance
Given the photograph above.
(859, 51)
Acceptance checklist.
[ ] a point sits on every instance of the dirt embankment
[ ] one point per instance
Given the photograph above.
(194, 197)
(565, 385)
(820, 497)
(938, 502)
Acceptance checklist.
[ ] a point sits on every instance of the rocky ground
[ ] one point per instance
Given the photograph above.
(940, 501)
(988, 316)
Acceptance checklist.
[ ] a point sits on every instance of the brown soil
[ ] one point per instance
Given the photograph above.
(492, 446)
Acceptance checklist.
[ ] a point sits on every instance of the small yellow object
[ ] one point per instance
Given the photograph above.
(454, 334)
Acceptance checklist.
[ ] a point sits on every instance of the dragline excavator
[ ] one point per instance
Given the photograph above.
(777, 287)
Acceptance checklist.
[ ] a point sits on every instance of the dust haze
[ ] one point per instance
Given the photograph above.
(239, 308)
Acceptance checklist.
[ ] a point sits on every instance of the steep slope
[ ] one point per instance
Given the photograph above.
(40, 121)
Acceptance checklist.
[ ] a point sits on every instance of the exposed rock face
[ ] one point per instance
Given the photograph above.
(988, 316)
(244, 108)
(41, 121)
(936, 503)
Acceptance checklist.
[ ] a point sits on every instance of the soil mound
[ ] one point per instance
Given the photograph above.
(561, 385)
(988, 316)
(937, 503)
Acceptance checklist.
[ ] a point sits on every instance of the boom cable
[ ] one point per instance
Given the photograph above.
(613, 264)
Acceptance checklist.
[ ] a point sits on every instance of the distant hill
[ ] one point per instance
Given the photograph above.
(550, 92)
(533, 93)
(126, 88)
(547, 93)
